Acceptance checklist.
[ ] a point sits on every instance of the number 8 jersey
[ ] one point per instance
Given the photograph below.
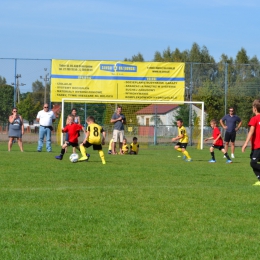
(95, 133)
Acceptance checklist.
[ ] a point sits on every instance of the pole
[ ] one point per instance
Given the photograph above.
(226, 86)
(190, 111)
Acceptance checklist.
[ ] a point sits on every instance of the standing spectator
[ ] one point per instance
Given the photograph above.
(254, 136)
(232, 124)
(45, 117)
(118, 119)
(16, 129)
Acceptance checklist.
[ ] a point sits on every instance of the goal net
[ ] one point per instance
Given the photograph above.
(153, 123)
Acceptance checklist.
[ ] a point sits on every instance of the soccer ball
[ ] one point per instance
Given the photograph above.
(74, 157)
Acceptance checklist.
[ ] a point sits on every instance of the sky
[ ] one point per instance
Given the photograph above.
(119, 29)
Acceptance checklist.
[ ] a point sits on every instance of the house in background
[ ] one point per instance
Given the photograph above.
(166, 116)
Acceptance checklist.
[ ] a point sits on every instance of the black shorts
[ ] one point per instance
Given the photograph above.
(182, 145)
(71, 144)
(220, 147)
(255, 154)
(95, 146)
(230, 137)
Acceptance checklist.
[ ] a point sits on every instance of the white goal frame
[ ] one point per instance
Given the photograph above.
(85, 100)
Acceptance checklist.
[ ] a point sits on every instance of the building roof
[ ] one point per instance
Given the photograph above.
(157, 108)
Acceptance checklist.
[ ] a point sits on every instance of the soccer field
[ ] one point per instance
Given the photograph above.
(150, 206)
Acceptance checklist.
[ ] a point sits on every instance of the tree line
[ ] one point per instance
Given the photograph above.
(230, 82)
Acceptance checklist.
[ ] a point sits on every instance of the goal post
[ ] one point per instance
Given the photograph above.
(137, 123)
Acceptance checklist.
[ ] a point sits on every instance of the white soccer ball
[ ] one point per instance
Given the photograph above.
(74, 157)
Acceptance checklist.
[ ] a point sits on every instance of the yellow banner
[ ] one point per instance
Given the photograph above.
(117, 80)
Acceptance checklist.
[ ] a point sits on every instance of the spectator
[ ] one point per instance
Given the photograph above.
(45, 117)
(16, 129)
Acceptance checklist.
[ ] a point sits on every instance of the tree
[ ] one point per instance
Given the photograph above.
(2, 81)
(38, 91)
(139, 57)
(6, 101)
(183, 113)
(157, 120)
(28, 108)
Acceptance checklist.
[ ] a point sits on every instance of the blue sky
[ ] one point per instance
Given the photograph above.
(118, 29)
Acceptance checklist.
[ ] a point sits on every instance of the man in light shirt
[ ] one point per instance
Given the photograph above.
(45, 117)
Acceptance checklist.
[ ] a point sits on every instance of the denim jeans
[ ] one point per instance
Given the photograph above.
(44, 131)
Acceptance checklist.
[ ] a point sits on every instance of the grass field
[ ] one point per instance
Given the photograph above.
(150, 206)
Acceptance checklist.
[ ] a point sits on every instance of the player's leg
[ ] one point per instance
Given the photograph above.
(255, 157)
(226, 155)
(83, 151)
(213, 160)
(186, 154)
(62, 152)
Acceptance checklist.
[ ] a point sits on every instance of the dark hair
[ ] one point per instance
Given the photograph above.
(134, 138)
(214, 121)
(180, 119)
(73, 109)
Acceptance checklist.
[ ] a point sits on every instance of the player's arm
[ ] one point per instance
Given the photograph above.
(103, 137)
(249, 136)
(215, 140)
(222, 124)
(209, 138)
(238, 126)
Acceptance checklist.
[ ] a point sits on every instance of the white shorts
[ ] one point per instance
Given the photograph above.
(118, 135)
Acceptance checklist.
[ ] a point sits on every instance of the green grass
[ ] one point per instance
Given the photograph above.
(150, 206)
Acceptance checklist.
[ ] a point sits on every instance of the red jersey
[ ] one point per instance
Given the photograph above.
(255, 140)
(73, 132)
(215, 134)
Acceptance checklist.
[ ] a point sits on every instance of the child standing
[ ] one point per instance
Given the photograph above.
(254, 136)
(182, 139)
(72, 129)
(217, 142)
(134, 146)
(95, 135)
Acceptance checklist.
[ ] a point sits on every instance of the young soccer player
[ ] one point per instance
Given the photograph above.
(125, 147)
(254, 136)
(182, 139)
(134, 146)
(95, 135)
(217, 142)
(72, 129)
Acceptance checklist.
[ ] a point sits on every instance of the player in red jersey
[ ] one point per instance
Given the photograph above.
(254, 136)
(73, 129)
(217, 143)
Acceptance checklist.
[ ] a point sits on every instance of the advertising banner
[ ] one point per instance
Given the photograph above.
(117, 80)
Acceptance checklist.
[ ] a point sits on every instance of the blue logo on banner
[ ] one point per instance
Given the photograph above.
(118, 67)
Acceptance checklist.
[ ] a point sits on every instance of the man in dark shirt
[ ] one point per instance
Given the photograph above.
(231, 123)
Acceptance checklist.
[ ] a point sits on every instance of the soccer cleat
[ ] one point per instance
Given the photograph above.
(232, 155)
(228, 161)
(88, 155)
(184, 157)
(82, 159)
(212, 161)
(224, 156)
(58, 157)
(257, 183)
(188, 160)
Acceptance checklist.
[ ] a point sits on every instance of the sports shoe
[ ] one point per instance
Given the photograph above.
(58, 157)
(212, 161)
(88, 155)
(228, 161)
(184, 157)
(188, 160)
(232, 155)
(224, 156)
(82, 159)
(257, 183)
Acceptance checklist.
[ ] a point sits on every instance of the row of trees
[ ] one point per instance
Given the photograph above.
(229, 82)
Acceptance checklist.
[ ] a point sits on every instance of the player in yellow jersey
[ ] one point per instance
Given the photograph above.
(183, 140)
(125, 147)
(95, 135)
(134, 146)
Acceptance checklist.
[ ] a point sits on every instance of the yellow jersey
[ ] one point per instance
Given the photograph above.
(125, 149)
(182, 131)
(134, 147)
(95, 133)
